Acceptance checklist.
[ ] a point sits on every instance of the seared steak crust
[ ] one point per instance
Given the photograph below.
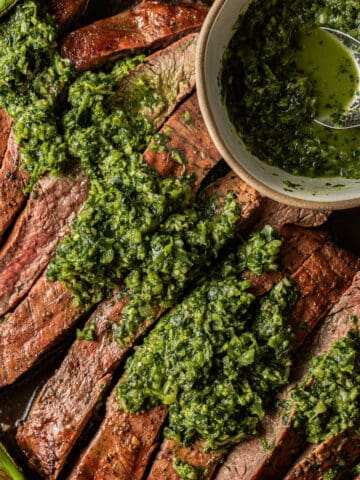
(342, 449)
(38, 322)
(67, 12)
(281, 214)
(13, 180)
(169, 72)
(151, 24)
(5, 128)
(35, 235)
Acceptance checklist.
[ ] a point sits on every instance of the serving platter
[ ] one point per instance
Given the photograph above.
(16, 400)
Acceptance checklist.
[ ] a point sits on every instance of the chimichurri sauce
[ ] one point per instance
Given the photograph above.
(327, 402)
(217, 358)
(281, 71)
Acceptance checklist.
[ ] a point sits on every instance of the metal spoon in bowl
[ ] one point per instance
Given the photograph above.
(350, 118)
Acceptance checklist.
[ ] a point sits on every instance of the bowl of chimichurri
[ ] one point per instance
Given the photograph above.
(266, 70)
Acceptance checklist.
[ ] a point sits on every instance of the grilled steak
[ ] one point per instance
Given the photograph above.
(33, 239)
(67, 12)
(184, 135)
(69, 397)
(48, 311)
(150, 24)
(199, 160)
(315, 281)
(5, 127)
(96, 453)
(38, 322)
(12, 183)
(250, 460)
(340, 450)
(169, 72)
(281, 214)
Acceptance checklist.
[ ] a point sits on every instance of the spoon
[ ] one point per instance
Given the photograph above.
(351, 117)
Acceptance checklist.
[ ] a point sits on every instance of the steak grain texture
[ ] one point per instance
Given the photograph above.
(148, 25)
(184, 135)
(250, 460)
(67, 400)
(37, 324)
(13, 180)
(5, 128)
(93, 457)
(138, 437)
(34, 237)
(340, 450)
(281, 214)
(168, 73)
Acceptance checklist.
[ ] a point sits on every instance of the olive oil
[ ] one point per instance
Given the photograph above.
(331, 68)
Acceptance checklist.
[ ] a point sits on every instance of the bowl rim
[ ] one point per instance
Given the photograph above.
(209, 120)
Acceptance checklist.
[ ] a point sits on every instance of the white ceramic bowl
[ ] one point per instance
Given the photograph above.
(334, 193)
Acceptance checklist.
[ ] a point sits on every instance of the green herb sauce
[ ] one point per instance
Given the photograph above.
(183, 247)
(127, 199)
(32, 80)
(327, 402)
(218, 356)
(187, 471)
(281, 71)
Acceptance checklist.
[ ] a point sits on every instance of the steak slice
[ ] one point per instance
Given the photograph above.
(39, 321)
(339, 451)
(168, 75)
(148, 25)
(281, 214)
(96, 452)
(67, 401)
(183, 146)
(33, 239)
(5, 128)
(67, 12)
(49, 311)
(12, 183)
(250, 460)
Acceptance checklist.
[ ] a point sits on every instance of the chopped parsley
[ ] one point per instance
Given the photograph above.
(218, 356)
(327, 402)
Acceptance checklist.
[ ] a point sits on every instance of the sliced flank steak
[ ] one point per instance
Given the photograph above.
(48, 311)
(67, 401)
(112, 425)
(250, 460)
(5, 128)
(13, 180)
(67, 12)
(335, 455)
(302, 217)
(319, 290)
(148, 25)
(33, 239)
(18, 280)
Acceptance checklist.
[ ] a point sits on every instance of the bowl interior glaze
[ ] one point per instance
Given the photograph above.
(333, 193)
